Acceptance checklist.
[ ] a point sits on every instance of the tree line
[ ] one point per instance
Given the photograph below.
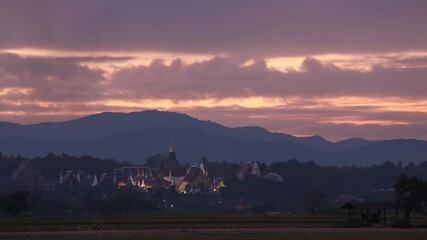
(307, 187)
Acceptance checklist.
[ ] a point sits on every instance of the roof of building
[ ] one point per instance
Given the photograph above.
(218, 182)
(246, 168)
(175, 180)
(68, 175)
(274, 177)
(23, 169)
(192, 173)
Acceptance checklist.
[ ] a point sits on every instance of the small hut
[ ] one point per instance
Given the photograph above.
(371, 211)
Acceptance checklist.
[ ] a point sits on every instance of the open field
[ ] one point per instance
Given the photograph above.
(198, 227)
(234, 233)
(164, 222)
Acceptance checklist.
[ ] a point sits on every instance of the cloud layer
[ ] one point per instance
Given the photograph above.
(334, 68)
(319, 99)
(69, 79)
(244, 27)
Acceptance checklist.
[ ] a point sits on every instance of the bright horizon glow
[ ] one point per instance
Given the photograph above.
(362, 62)
(390, 105)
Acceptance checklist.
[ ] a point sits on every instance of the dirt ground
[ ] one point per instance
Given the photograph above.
(203, 227)
(232, 234)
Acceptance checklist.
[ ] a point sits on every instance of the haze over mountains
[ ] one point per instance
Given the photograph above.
(135, 136)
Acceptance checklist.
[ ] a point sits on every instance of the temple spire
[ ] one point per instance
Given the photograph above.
(172, 161)
(202, 167)
(95, 181)
(61, 178)
(78, 176)
(171, 147)
(131, 180)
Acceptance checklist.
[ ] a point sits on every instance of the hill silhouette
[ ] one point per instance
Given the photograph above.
(135, 136)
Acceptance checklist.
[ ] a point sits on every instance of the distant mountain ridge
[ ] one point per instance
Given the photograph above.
(101, 125)
(137, 135)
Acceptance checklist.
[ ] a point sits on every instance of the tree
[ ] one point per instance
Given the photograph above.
(156, 161)
(313, 200)
(15, 203)
(411, 194)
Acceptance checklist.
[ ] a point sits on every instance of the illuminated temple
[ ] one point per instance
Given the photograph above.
(170, 174)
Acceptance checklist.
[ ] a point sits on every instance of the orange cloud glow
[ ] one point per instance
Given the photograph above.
(361, 62)
(373, 105)
(14, 91)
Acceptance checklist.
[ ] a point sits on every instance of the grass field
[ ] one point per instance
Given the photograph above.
(199, 227)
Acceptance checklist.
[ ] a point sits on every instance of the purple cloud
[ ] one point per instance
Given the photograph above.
(66, 79)
(56, 87)
(221, 78)
(249, 28)
(56, 79)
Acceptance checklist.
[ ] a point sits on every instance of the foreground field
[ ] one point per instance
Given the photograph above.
(198, 227)
(234, 234)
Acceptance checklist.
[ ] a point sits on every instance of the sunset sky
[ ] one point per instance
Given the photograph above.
(338, 69)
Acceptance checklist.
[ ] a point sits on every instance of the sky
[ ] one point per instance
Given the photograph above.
(335, 68)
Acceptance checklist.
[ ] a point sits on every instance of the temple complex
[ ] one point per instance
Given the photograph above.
(196, 179)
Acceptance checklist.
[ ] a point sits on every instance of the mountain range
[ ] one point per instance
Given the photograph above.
(135, 136)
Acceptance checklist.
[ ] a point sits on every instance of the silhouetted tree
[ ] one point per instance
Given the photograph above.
(411, 194)
(15, 202)
(313, 200)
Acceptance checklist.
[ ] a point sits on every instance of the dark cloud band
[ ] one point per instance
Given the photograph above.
(251, 28)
